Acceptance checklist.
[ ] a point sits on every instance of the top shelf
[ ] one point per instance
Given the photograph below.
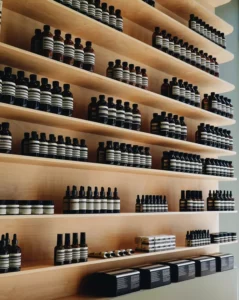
(216, 3)
(184, 8)
(71, 21)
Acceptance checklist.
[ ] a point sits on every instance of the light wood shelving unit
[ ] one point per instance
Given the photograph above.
(25, 177)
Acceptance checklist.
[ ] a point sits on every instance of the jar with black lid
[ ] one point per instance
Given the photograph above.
(12, 207)
(48, 207)
(25, 207)
(3, 208)
(37, 207)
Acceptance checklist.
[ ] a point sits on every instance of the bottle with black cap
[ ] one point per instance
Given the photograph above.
(177, 127)
(4, 256)
(175, 90)
(75, 249)
(58, 48)
(148, 158)
(82, 201)
(119, 20)
(111, 112)
(34, 144)
(142, 157)
(43, 144)
(67, 101)
(136, 118)
(91, 9)
(105, 14)
(109, 153)
(36, 42)
(116, 200)
(117, 154)
(124, 154)
(69, 148)
(68, 249)
(5, 138)
(92, 110)
(34, 93)
(98, 11)
(182, 202)
(45, 100)
(14, 255)
(84, 7)
(89, 201)
(67, 3)
(83, 248)
(137, 205)
(102, 110)
(184, 132)
(89, 57)
(136, 156)
(61, 147)
(154, 124)
(118, 70)
(130, 155)
(97, 202)
(75, 150)
(120, 114)
(69, 50)
(101, 153)
(182, 90)
(56, 100)
(171, 132)
(128, 116)
(83, 151)
(110, 202)
(163, 124)
(79, 54)
(8, 86)
(74, 201)
(21, 90)
(112, 22)
(52, 146)
(103, 199)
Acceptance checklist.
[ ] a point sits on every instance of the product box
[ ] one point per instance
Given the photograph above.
(181, 269)
(224, 262)
(205, 265)
(118, 282)
(152, 276)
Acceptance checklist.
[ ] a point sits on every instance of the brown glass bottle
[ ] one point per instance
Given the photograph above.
(89, 59)
(170, 44)
(208, 63)
(188, 53)
(165, 46)
(118, 70)
(138, 77)
(216, 67)
(212, 65)
(132, 75)
(59, 251)
(157, 39)
(205, 102)
(213, 103)
(203, 60)
(58, 49)
(79, 54)
(193, 55)
(110, 69)
(198, 58)
(125, 72)
(119, 20)
(69, 50)
(47, 42)
(145, 80)
(165, 88)
(182, 50)
(92, 110)
(136, 118)
(177, 47)
(36, 42)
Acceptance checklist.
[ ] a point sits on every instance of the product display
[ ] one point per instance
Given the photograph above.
(150, 2)
(10, 254)
(181, 91)
(5, 138)
(224, 262)
(214, 137)
(205, 265)
(184, 51)
(192, 202)
(204, 29)
(223, 237)
(128, 74)
(219, 105)
(65, 254)
(218, 167)
(111, 254)
(52, 148)
(169, 126)
(124, 155)
(220, 201)
(197, 238)
(26, 207)
(66, 51)
(155, 203)
(119, 115)
(89, 202)
(155, 243)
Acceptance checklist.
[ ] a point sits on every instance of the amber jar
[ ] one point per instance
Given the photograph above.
(79, 54)
(89, 58)
(58, 50)
(69, 50)
(47, 42)
(145, 80)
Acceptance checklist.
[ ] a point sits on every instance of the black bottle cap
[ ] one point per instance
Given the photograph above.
(88, 44)
(37, 31)
(46, 27)
(78, 40)
(57, 32)
(135, 106)
(137, 68)
(82, 237)
(118, 12)
(20, 74)
(68, 36)
(66, 86)
(82, 143)
(48, 202)
(55, 83)
(67, 238)
(131, 66)
(119, 101)
(5, 125)
(8, 70)
(75, 238)
(44, 81)
(118, 62)
(102, 97)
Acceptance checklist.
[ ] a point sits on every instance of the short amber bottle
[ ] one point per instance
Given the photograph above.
(36, 42)
(138, 77)
(125, 73)
(47, 42)
(165, 88)
(79, 54)
(145, 80)
(89, 59)
(132, 75)
(110, 69)
(69, 50)
(58, 50)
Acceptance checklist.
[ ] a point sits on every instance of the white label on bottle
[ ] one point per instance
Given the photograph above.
(15, 260)
(97, 204)
(171, 127)
(34, 147)
(188, 54)
(145, 81)
(118, 73)
(21, 92)
(224, 44)
(82, 204)
(177, 49)
(165, 43)
(112, 21)
(120, 115)
(193, 57)
(76, 254)
(136, 158)
(192, 97)
(91, 10)
(68, 255)
(8, 88)
(159, 40)
(105, 17)
(43, 148)
(69, 2)
(110, 204)
(209, 35)
(197, 98)
(212, 66)
(4, 262)
(184, 130)
(112, 113)
(128, 117)
(126, 75)
(132, 77)
(61, 150)
(48, 43)
(48, 209)
(84, 153)
(142, 160)
(198, 60)
(52, 149)
(74, 204)
(69, 150)
(3, 209)
(213, 36)
(117, 155)
(201, 29)
(103, 204)
(205, 32)
(136, 119)
(84, 6)
(12, 209)
(76, 4)
(5, 142)
(116, 205)
(98, 14)
(109, 153)
(203, 62)
(214, 104)
(193, 25)
(187, 94)
(164, 126)
(171, 46)
(183, 52)
(198, 27)
(203, 136)
(69, 51)
(216, 68)
(208, 64)
(130, 158)
(178, 128)
(89, 58)
(149, 161)
(83, 252)
(56, 100)
(209, 169)
(176, 91)
(58, 47)
(216, 38)
(34, 94)
(103, 111)
(90, 204)
(37, 209)
(124, 158)
(119, 23)
(45, 97)
(68, 103)
(139, 79)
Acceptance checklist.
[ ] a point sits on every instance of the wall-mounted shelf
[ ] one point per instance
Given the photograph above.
(27, 61)
(38, 161)
(216, 3)
(43, 118)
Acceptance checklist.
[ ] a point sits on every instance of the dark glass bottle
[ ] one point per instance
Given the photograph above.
(177, 127)
(112, 22)
(110, 202)
(157, 39)
(182, 90)
(8, 86)
(14, 256)
(117, 154)
(165, 88)
(45, 100)
(69, 50)
(5, 139)
(118, 70)
(69, 148)
(111, 112)
(34, 144)
(187, 93)
(175, 90)
(171, 132)
(52, 146)
(34, 93)
(47, 42)
(148, 158)
(130, 155)
(101, 153)
(192, 22)
(126, 73)
(177, 47)
(109, 153)
(92, 110)
(182, 50)
(97, 202)
(213, 103)
(145, 79)
(163, 124)
(132, 75)
(98, 11)
(192, 97)
(91, 9)
(128, 116)
(83, 248)
(119, 20)
(110, 70)
(61, 148)
(25, 144)
(79, 54)
(84, 7)
(188, 53)
(165, 46)
(68, 249)
(56, 100)
(105, 14)
(171, 45)
(136, 118)
(89, 201)
(75, 249)
(4, 268)
(124, 154)
(58, 49)
(184, 130)
(154, 124)
(76, 5)
(21, 90)
(142, 157)
(136, 155)
(76, 150)
(89, 57)
(36, 42)
(120, 114)
(138, 77)
(83, 151)
(43, 145)
(67, 101)
(102, 110)
(194, 52)
(82, 198)
(205, 102)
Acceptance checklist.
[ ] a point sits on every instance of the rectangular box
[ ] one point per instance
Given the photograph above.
(181, 269)
(224, 262)
(152, 276)
(205, 265)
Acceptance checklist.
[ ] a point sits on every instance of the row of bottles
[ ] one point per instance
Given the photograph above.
(10, 254)
(214, 137)
(192, 202)
(124, 155)
(181, 91)
(29, 92)
(151, 203)
(150, 2)
(169, 126)
(218, 167)
(66, 254)
(220, 201)
(223, 237)
(184, 51)
(197, 238)
(94, 10)
(68, 149)
(91, 202)
(206, 30)
(127, 73)
(107, 112)
(55, 47)
(218, 104)
(26, 207)
(111, 254)
(5, 138)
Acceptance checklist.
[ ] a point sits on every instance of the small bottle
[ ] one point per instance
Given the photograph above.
(69, 149)
(4, 266)
(197, 96)
(69, 50)
(116, 208)
(124, 155)
(182, 202)
(111, 112)
(208, 63)
(52, 146)
(177, 127)
(74, 203)
(138, 205)
(117, 154)
(61, 148)
(136, 157)
(68, 249)
(83, 151)
(45, 100)
(82, 201)
(110, 70)
(182, 50)
(56, 99)
(43, 145)
(138, 77)
(154, 124)
(47, 42)
(83, 248)
(92, 110)
(182, 90)
(177, 47)
(205, 103)
(103, 201)
(192, 97)
(34, 144)
(165, 88)
(187, 93)
(76, 5)
(194, 52)
(184, 130)
(132, 75)
(165, 46)
(21, 90)
(102, 110)
(79, 54)
(145, 80)
(110, 202)
(148, 158)
(171, 132)
(163, 124)
(203, 60)
(126, 73)
(75, 249)
(25, 144)
(213, 103)
(109, 153)
(15, 256)
(97, 202)
(118, 70)
(142, 157)
(84, 7)
(130, 155)
(58, 49)
(171, 45)
(89, 57)
(8, 86)
(105, 14)
(34, 93)
(175, 90)
(89, 201)
(120, 114)
(67, 101)
(157, 39)
(36, 42)
(112, 22)
(98, 11)
(91, 9)
(188, 53)
(128, 116)
(192, 22)
(67, 3)
(101, 153)
(119, 20)
(136, 125)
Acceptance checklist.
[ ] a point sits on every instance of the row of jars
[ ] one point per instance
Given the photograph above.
(94, 10)
(204, 29)
(128, 74)
(185, 52)
(55, 47)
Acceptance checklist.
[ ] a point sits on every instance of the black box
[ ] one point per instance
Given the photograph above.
(118, 282)
(205, 265)
(224, 262)
(152, 276)
(181, 269)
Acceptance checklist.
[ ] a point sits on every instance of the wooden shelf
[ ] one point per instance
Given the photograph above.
(216, 3)
(38, 161)
(28, 115)
(184, 8)
(149, 17)
(70, 21)
(27, 61)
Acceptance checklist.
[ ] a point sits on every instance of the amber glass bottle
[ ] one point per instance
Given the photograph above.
(69, 50)
(47, 42)
(89, 59)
